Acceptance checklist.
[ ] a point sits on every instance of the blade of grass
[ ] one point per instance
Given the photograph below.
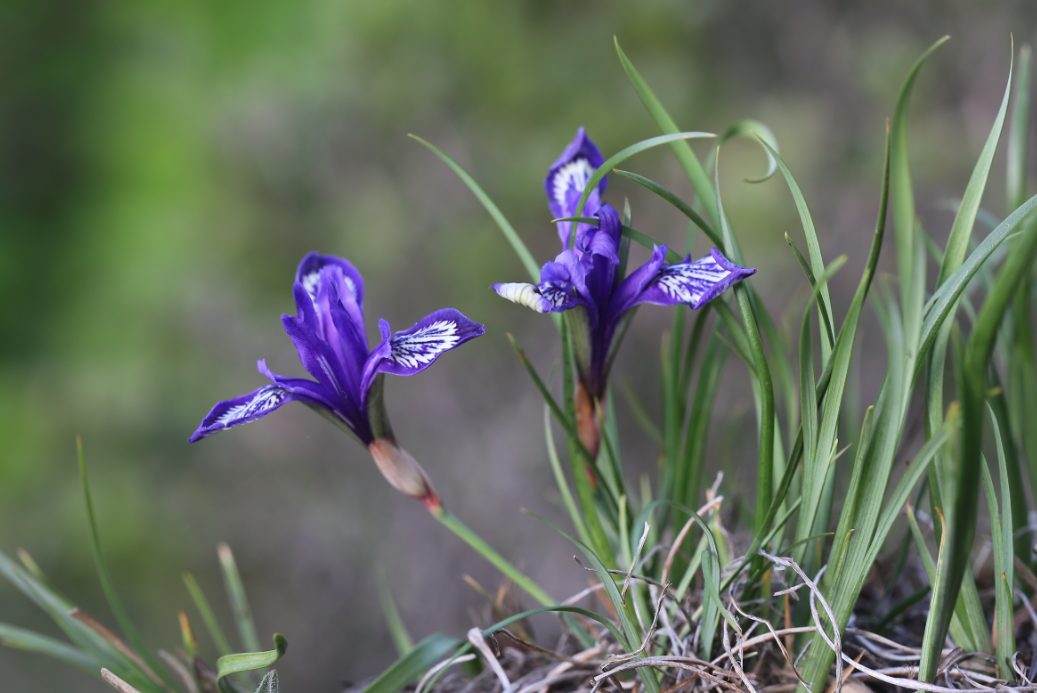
(682, 206)
(1019, 134)
(1004, 555)
(962, 636)
(817, 262)
(945, 298)
(397, 628)
(506, 228)
(620, 157)
(961, 519)
(238, 600)
(563, 483)
(22, 639)
(965, 220)
(250, 661)
(753, 130)
(128, 629)
(903, 195)
(641, 415)
(208, 617)
(765, 469)
(681, 149)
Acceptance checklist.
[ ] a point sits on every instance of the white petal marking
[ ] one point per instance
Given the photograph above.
(350, 284)
(309, 282)
(540, 299)
(688, 282)
(572, 176)
(266, 398)
(422, 347)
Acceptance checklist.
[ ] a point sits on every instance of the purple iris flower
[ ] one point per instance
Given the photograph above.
(584, 281)
(329, 335)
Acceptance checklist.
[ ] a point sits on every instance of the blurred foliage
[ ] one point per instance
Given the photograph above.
(164, 165)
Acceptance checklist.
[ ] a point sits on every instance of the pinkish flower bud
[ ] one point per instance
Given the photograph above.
(403, 472)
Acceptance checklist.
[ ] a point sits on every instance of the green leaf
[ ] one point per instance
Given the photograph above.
(565, 421)
(22, 639)
(817, 262)
(238, 601)
(1019, 134)
(411, 666)
(809, 274)
(964, 501)
(903, 195)
(506, 228)
(563, 483)
(397, 628)
(249, 661)
(944, 299)
(1004, 555)
(682, 150)
(757, 131)
(765, 468)
(620, 157)
(208, 617)
(677, 202)
(965, 220)
(121, 616)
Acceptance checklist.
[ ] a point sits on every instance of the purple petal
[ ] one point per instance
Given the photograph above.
(693, 283)
(628, 291)
(322, 363)
(416, 348)
(241, 410)
(308, 389)
(604, 240)
(567, 178)
(309, 271)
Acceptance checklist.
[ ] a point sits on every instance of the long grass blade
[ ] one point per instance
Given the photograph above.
(208, 617)
(1004, 555)
(817, 262)
(238, 600)
(250, 661)
(128, 629)
(681, 149)
(677, 202)
(963, 504)
(506, 228)
(397, 628)
(620, 157)
(22, 639)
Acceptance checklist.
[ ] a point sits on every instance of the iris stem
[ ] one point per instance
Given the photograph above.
(450, 521)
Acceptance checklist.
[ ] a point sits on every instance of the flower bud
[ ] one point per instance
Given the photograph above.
(403, 472)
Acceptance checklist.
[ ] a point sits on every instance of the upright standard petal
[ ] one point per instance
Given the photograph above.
(320, 360)
(416, 348)
(567, 178)
(692, 283)
(308, 274)
(324, 278)
(241, 410)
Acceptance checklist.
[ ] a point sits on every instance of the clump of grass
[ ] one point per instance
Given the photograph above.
(812, 596)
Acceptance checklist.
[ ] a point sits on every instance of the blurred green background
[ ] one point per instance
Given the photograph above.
(164, 166)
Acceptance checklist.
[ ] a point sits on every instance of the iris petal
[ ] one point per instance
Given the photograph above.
(413, 350)
(243, 409)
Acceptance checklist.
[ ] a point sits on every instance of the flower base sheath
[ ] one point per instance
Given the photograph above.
(329, 335)
(583, 282)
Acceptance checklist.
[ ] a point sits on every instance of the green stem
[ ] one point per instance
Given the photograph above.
(490, 554)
